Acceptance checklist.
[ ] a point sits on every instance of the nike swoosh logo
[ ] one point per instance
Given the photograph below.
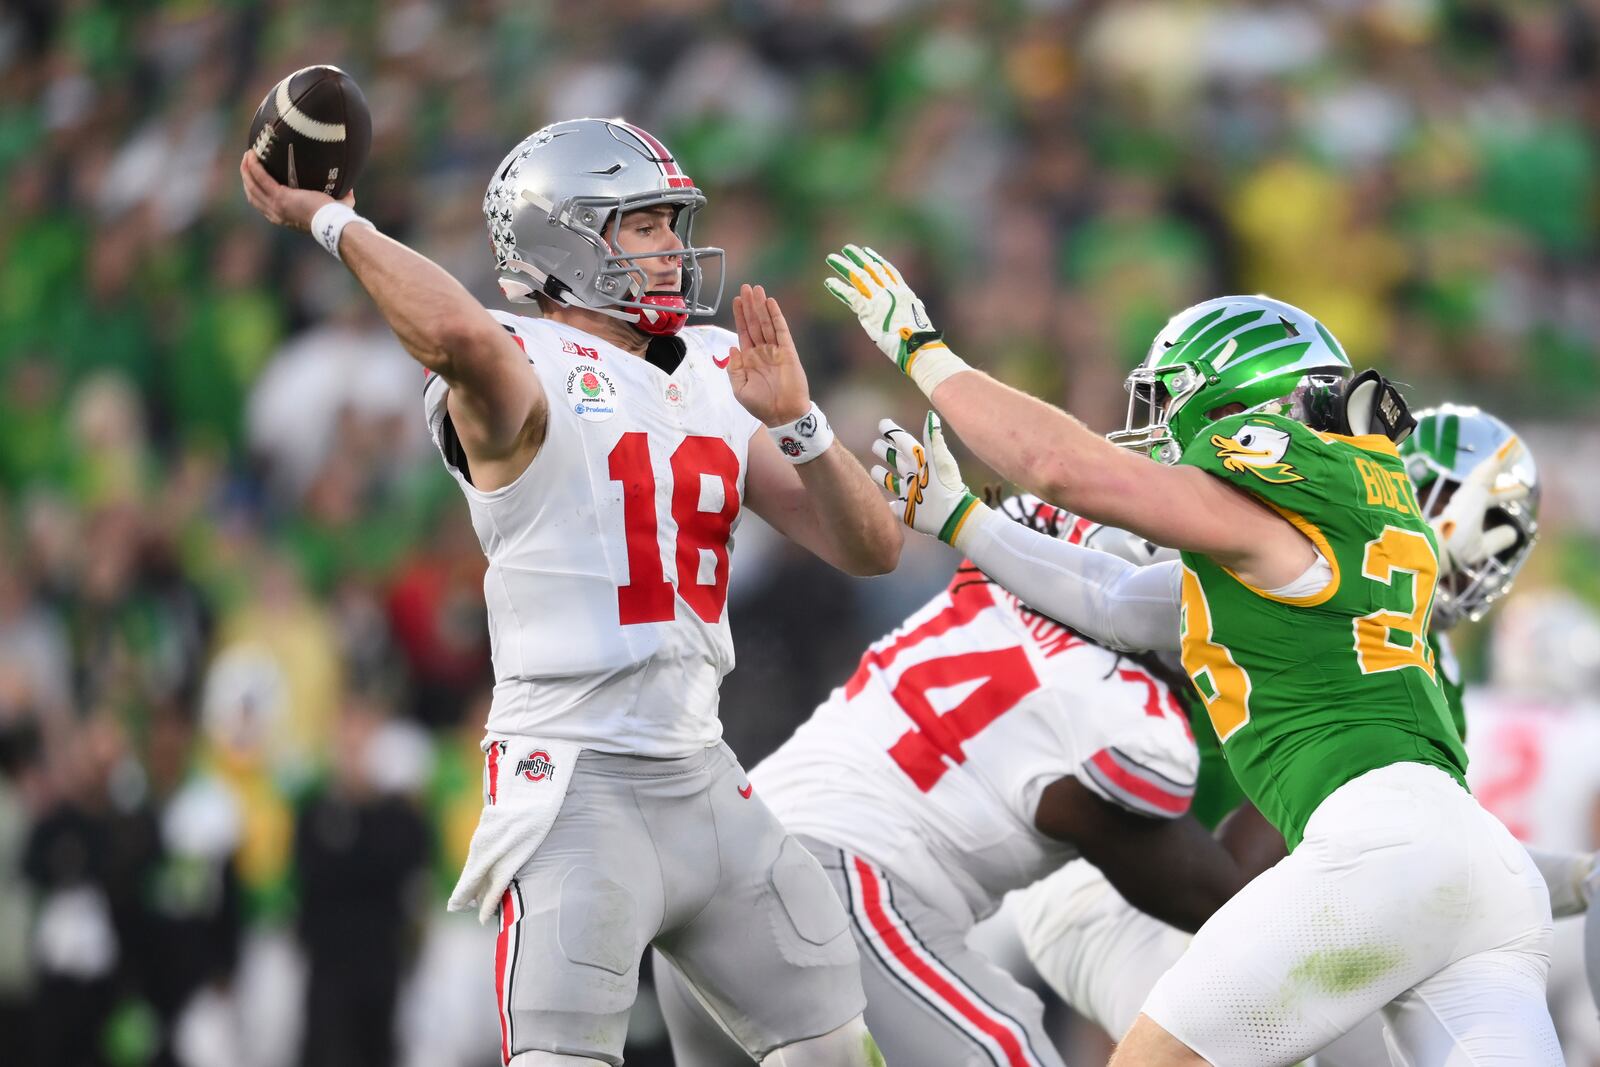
(747, 790)
(723, 362)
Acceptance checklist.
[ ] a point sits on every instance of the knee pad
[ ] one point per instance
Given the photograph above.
(554, 1059)
(848, 1046)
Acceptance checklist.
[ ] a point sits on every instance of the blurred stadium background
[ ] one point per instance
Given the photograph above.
(243, 664)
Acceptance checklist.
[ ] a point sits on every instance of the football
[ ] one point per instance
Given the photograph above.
(313, 130)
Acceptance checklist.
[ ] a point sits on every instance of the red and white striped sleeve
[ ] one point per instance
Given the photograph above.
(1144, 788)
(1146, 759)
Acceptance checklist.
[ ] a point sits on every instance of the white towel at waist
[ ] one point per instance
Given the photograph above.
(525, 781)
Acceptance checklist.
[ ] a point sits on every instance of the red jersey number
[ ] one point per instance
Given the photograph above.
(649, 596)
(922, 753)
(928, 751)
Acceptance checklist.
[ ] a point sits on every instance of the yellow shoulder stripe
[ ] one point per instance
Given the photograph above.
(1370, 442)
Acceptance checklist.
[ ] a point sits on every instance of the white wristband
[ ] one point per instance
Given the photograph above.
(328, 224)
(804, 439)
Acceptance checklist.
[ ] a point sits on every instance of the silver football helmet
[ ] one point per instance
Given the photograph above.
(1449, 441)
(555, 206)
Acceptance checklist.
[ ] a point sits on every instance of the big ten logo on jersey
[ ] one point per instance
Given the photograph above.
(573, 348)
(704, 472)
(1387, 488)
(536, 766)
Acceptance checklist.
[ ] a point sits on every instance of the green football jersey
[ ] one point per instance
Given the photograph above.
(1307, 692)
(1449, 668)
(1216, 792)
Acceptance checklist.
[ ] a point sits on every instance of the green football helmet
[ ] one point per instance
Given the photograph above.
(1249, 350)
(1449, 441)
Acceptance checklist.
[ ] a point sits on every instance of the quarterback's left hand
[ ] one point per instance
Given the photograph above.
(930, 496)
(1462, 537)
(892, 315)
(765, 369)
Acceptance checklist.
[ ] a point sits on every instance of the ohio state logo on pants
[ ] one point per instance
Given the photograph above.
(536, 766)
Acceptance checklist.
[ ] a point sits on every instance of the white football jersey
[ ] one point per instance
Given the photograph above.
(608, 557)
(931, 759)
(1534, 764)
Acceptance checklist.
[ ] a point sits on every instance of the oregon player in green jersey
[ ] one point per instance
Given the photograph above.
(1306, 584)
(1308, 689)
(1102, 955)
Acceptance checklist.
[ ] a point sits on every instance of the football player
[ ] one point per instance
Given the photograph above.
(1100, 953)
(1305, 584)
(606, 451)
(976, 748)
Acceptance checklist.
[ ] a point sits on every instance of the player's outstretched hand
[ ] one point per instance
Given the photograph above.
(765, 369)
(1460, 526)
(892, 315)
(930, 496)
(279, 204)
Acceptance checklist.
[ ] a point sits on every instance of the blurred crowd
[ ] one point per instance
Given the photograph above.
(243, 663)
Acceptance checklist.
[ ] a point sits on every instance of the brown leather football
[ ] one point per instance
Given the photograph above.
(313, 130)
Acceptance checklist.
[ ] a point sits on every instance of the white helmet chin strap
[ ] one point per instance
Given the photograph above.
(629, 315)
(523, 293)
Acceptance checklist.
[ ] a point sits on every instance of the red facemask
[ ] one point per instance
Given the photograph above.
(665, 315)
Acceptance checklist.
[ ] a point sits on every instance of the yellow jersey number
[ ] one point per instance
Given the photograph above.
(1222, 684)
(1390, 640)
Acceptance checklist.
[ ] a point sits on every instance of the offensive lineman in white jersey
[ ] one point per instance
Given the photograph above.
(975, 749)
(605, 453)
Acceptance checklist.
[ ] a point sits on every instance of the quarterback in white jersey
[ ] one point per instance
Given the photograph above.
(975, 749)
(640, 476)
(606, 453)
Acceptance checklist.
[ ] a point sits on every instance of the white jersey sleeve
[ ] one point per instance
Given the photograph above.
(609, 556)
(1118, 603)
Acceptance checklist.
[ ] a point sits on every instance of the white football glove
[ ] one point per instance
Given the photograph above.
(926, 481)
(1462, 537)
(892, 315)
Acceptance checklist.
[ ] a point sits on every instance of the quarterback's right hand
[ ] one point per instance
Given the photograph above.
(930, 496)
(1459, 525)
(280, 204)
(892, 315)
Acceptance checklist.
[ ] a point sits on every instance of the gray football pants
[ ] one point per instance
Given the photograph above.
(931, 1000)
(679, 854)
